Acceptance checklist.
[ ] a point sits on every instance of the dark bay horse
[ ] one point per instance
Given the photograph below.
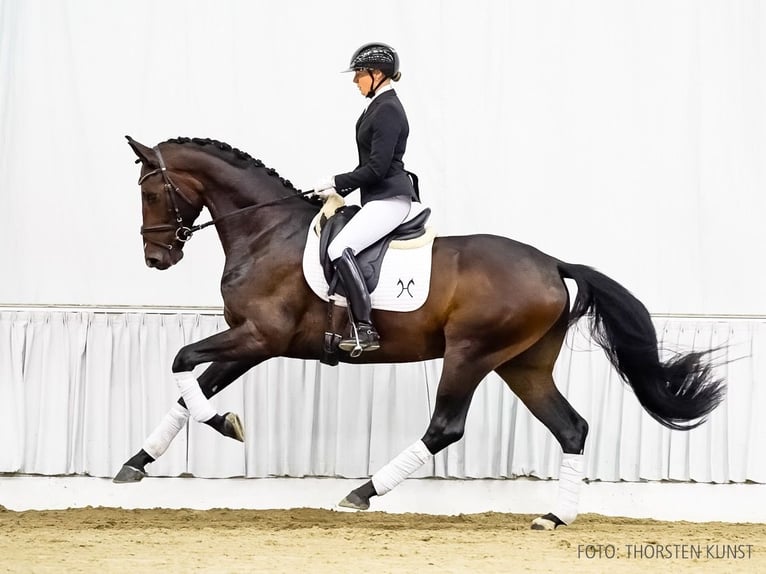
(494, 305)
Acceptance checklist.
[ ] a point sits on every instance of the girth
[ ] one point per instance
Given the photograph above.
(371, 259)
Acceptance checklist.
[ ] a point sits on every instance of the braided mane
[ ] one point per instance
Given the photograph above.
(236, 157)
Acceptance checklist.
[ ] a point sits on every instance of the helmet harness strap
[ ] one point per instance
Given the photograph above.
(373, 87)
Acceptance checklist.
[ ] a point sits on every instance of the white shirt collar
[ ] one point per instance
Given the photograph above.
(383, 90)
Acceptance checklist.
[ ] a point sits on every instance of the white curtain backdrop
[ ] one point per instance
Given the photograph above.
(82, 391)
(625, 134)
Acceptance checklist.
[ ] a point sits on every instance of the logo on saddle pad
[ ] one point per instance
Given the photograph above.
(397, 270)
(410, 283)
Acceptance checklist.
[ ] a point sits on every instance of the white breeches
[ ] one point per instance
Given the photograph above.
(373, 221)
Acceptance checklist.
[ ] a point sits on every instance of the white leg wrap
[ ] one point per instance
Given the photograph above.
(200, 408)
(158, 442)
(407, 462)
(570, 481)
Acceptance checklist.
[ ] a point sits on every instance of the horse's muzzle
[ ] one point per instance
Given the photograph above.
(162, 260)
(156, 263)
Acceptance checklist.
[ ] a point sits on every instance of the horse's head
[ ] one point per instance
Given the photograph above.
(170, 201)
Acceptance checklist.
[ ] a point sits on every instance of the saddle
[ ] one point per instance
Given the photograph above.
(371, 258)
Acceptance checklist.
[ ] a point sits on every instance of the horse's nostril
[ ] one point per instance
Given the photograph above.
(152, 262)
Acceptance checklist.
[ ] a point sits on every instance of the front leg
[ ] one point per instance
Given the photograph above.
(240, 344)
(213, 381)
(216, 377)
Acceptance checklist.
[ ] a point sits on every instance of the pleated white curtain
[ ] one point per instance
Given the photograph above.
(81, 390)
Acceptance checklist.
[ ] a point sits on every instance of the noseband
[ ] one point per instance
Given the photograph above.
(182, 232)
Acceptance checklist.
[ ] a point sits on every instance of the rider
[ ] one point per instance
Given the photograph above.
(386, 190)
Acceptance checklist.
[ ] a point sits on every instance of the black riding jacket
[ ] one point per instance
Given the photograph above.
(381, 139)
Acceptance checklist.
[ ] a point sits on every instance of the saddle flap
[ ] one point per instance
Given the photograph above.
(330, 228)
(371, 258)
(404, 279)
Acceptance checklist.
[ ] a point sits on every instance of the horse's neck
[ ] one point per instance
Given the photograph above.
(245, 229)
(229, 191)
(231, 194)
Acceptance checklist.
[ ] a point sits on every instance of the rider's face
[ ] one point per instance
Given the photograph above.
(364, 80)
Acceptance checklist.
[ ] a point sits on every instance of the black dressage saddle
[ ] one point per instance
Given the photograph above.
(371, 259)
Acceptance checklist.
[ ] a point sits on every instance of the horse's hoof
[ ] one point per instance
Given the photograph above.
(128, 474)
(547, 522)
(233, 428)
(355, 502)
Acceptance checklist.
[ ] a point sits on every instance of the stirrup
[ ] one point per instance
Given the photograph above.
(355, 346)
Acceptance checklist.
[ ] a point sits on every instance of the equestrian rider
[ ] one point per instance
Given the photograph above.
(386, 189)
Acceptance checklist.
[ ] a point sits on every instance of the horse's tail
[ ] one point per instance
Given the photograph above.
(680, 390)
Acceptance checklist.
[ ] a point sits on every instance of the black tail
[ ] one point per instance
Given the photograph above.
(681, 390)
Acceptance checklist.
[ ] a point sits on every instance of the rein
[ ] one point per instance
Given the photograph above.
(183, 233)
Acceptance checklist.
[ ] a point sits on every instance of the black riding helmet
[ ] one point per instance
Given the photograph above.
(376, 56)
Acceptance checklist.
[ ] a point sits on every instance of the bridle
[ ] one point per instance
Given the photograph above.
(182, 232)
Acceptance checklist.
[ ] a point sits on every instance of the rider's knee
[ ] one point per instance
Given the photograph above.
(335, 250)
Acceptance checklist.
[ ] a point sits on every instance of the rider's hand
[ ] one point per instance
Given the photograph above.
(324, 188)
(324, 193)
(324, 183)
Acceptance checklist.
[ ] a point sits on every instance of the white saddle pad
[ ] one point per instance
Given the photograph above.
(405, 275)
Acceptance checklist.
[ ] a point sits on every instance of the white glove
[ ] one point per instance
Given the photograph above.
(324, 188)
(325, 193)
(324, 183)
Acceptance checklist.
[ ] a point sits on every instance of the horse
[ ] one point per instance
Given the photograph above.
(494, 304)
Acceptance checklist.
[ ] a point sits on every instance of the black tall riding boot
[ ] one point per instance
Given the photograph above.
(364, 337)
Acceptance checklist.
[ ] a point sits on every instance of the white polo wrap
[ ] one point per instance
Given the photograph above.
(407, 462)
(570, 480)
(158, 442)
(200, 408)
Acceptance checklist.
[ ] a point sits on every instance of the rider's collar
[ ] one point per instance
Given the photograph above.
(382, 90)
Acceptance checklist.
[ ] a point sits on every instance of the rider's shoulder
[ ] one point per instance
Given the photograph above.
(389, 105)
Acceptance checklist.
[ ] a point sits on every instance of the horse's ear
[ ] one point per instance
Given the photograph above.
(145, 154)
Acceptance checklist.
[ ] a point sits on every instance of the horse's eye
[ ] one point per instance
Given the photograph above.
(149, 196)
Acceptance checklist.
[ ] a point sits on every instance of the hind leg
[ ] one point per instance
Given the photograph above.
(530, 377)
(459, 380)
